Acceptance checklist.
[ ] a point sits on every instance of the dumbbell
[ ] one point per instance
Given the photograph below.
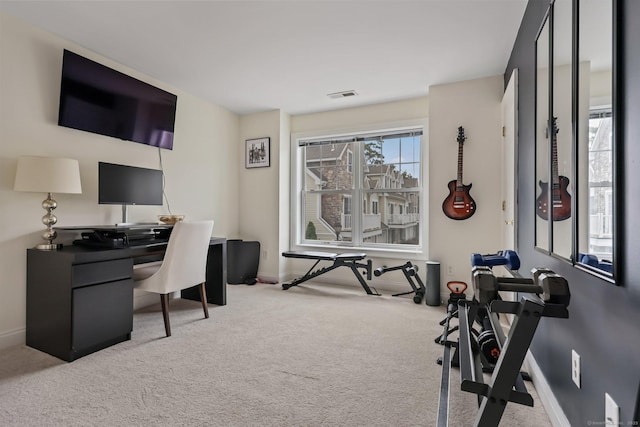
(488, 342)
(507, 258)
(457, 289)
(489, 346)
(552, 287)
(588, 259)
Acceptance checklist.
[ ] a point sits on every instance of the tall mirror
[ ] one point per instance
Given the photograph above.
(542, 136)
(595, 136)
(560, 137)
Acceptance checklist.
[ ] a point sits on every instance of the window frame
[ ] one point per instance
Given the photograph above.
(297, 240)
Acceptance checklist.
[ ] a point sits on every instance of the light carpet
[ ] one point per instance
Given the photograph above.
(314, 355)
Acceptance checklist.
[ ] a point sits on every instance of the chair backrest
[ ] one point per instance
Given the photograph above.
(185, 261)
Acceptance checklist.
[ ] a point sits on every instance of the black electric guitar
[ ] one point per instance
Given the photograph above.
(459, 204)
(560, 197)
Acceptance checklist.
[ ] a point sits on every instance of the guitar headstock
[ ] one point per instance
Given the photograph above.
(552, 128)
(461, 138)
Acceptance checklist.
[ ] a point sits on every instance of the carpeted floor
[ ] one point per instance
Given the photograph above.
(315, 355)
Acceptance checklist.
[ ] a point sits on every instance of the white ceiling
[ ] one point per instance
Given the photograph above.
(251, 56)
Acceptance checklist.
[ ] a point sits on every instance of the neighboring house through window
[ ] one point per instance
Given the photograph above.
(378, 169)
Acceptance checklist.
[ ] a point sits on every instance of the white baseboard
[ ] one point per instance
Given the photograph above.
(13, 337)
(270, 277)
(549, 401)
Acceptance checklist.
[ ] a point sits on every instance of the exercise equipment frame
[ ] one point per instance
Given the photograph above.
(349, 260)
(410, 272)
(506, 384)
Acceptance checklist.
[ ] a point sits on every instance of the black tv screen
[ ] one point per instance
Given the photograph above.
(128, 185)
(98, 99)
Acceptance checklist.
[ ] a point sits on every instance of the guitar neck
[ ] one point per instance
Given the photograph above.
(459, 179)
(555, 178)
(554, 161)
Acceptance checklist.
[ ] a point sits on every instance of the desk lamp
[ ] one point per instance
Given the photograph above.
(48, 175)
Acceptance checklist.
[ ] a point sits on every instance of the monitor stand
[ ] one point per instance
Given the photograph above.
(124, 217)
(125, 220)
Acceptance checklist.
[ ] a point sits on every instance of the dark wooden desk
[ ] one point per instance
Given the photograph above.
(80, 300)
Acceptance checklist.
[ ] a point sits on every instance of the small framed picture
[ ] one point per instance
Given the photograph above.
(258, 153)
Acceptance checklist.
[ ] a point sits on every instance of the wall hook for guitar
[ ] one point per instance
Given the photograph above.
(459, 204)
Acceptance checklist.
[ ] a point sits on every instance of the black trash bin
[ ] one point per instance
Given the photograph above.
(242, 262)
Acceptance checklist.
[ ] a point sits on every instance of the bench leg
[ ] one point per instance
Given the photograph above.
(309, 275)
(337, 263)
(367, 289)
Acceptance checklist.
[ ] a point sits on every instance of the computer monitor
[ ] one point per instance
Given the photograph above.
(128, 185)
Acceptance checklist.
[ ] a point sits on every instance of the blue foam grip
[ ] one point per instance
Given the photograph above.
(508, 258)
(593, 261)
(588, 259)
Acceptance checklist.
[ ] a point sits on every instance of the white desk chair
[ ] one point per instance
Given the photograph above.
(184, 266)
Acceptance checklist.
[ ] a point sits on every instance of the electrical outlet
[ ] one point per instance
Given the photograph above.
(449, 270)
(575, 368)
(264, 254)
(611, 411)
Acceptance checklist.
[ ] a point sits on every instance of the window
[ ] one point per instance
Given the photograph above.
(377, 169)
(600, 184)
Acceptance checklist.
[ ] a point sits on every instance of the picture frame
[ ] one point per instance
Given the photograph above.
(257, 153)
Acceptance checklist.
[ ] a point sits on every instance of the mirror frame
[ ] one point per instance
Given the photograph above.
(617, 173)
(569, 143)
(546, 26)
(614, 277)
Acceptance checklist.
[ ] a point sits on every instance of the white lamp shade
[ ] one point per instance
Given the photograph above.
(47, 175)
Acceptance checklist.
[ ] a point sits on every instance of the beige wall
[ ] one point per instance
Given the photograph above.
(410, 109)
(476, 106)
(201, 171)
(263, 206)
(285, 197)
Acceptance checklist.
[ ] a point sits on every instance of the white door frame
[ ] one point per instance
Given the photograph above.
(509, 164)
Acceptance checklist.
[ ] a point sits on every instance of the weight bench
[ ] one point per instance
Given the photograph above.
(339, 260)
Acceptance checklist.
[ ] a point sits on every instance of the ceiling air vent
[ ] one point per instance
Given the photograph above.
(344, 94)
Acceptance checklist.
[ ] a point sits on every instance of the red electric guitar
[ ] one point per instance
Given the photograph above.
(560, 197)
(459, 204)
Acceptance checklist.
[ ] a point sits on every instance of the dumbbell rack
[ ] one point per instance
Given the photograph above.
(506, 384)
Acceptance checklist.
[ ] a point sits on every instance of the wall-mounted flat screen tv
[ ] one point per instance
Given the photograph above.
(101, 100)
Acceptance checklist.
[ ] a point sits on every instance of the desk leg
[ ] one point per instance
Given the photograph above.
(216, 284)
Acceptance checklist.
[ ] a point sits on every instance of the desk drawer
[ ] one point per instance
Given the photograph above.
(101, 314)
(100, 272)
